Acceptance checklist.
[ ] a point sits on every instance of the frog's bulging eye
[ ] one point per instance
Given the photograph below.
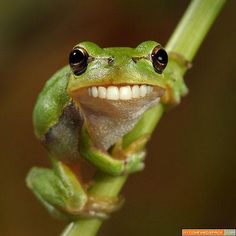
(78, 60)
(159, 59)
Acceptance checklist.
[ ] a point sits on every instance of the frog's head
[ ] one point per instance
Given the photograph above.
(120, 83)
(117, 73)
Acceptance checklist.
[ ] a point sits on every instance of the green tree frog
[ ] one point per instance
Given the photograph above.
(85, 110)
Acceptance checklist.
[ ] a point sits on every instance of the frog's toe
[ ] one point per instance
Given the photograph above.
(101, 207)
(134, 162)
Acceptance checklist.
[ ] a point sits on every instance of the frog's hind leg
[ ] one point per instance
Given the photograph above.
(63, 195)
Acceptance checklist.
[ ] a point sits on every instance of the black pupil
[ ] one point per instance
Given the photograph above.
(76, 56)
(161, 56)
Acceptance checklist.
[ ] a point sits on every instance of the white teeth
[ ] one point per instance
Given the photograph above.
(143, 90)
(102, 92)
(135, 91)
(125, 93)
(94, 92)
(122, 93)
(112, 93)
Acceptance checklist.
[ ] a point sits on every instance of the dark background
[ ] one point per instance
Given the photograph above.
(189, 180)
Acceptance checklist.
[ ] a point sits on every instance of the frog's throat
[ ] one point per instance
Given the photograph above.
(108, 120)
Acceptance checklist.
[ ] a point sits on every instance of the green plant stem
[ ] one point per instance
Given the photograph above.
(186, 41)
(193, 27)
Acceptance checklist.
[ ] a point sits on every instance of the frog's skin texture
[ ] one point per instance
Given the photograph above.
(86, 115)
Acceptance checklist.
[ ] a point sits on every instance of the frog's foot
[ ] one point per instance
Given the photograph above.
(134, 162)
(58, 192)
(133, 155)
(100, 207)
(64, 197)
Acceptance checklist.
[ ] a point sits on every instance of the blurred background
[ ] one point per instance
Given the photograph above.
(189, 180)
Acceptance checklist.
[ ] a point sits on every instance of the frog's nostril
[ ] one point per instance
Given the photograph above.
(111, 60)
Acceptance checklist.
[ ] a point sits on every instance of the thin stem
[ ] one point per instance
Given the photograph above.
(193, 27)
(186, 41)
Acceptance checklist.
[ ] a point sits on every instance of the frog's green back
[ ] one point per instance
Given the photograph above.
(51, 102)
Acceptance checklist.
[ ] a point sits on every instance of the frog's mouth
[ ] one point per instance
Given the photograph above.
(119, 92)
(126, 92)
(112, 110)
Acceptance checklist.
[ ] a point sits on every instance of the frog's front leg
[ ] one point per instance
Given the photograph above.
(64, 196)
(127, 161)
